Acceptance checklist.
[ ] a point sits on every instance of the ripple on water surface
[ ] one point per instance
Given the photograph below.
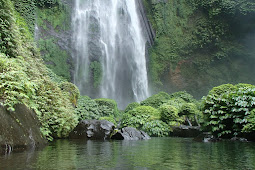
(157, 153)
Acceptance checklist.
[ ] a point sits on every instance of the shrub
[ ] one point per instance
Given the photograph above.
(136, 121)
(138, 116)
(156, 100)
(189, 109)
(176, 102)
(87, 108)
(183, 95)
(227, 109)
(24, 78)
(107, 107)
(157, 128)
(168, 113)
(250, 126)
(131, 106)
(72, 90)
(110, 119)
(145, 110)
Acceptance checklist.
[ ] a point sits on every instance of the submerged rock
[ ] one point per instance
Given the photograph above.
(186, 131)
(206, 137)
(130, 133)
(93, 129)
(19, 130)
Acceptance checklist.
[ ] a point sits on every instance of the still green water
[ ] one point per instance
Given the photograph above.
(157, 153)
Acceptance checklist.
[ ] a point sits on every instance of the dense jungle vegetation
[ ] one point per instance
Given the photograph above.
(199, 44)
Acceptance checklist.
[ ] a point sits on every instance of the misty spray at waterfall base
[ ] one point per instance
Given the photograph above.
(109, 50)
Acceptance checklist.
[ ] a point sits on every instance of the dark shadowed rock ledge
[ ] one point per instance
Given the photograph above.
(93, 129)
(19, 130)
(130, 133)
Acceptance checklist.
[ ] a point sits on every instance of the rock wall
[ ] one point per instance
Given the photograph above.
(19, 130)
(146, 26)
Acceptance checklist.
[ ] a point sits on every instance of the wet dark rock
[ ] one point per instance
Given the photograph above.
(93, 129)
(148, 31)
(186, 131)
(19, 130)
(130, 133)
(239, 139)
(206, 137)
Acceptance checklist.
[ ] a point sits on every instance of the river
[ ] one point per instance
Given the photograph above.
(157, 153)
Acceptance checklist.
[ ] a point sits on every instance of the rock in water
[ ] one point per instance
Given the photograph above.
(93, 129)
(19, 130)
(130, 133)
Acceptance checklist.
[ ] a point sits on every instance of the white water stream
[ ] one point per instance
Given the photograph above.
(109, 32)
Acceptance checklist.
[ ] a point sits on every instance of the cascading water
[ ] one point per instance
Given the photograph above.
(109, 50)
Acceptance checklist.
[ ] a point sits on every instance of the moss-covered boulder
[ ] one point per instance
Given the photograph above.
(19, 129)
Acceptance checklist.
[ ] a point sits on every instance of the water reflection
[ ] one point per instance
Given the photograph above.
(157, 153)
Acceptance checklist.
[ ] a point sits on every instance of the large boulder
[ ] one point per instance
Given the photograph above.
(19, 130)
(130, 133)
(93, 129)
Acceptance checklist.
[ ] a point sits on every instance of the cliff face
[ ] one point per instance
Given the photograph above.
(53, 34)
(19, 130)
(146, 25)
(197, 48)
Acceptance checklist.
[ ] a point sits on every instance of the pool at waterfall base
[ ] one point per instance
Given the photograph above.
(156, 153)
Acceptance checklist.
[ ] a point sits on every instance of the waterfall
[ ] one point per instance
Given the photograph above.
(109, 50)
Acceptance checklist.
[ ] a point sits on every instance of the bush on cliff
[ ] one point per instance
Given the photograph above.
(25, 79)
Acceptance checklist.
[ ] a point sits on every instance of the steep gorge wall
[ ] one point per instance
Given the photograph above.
(200, 44)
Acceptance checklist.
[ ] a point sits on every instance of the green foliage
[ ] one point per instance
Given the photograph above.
(97, 73)
(9, 39)
(229, 8)
(110, 119)
(24, 79)
(189, 109)
(107, 107)
(138, 116)
(27, 9)
(169, 113)
(157, 128)
(198, 40)
(250, 126)
(156, 100)
(47, 3)
(55, 58)
(87, 108)
(131, 106)
(183, 95)
(72, 90)
(15, 85)
(136, 121)
(58, 16)
(177, 102)
(228, 108)
(147, 110)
